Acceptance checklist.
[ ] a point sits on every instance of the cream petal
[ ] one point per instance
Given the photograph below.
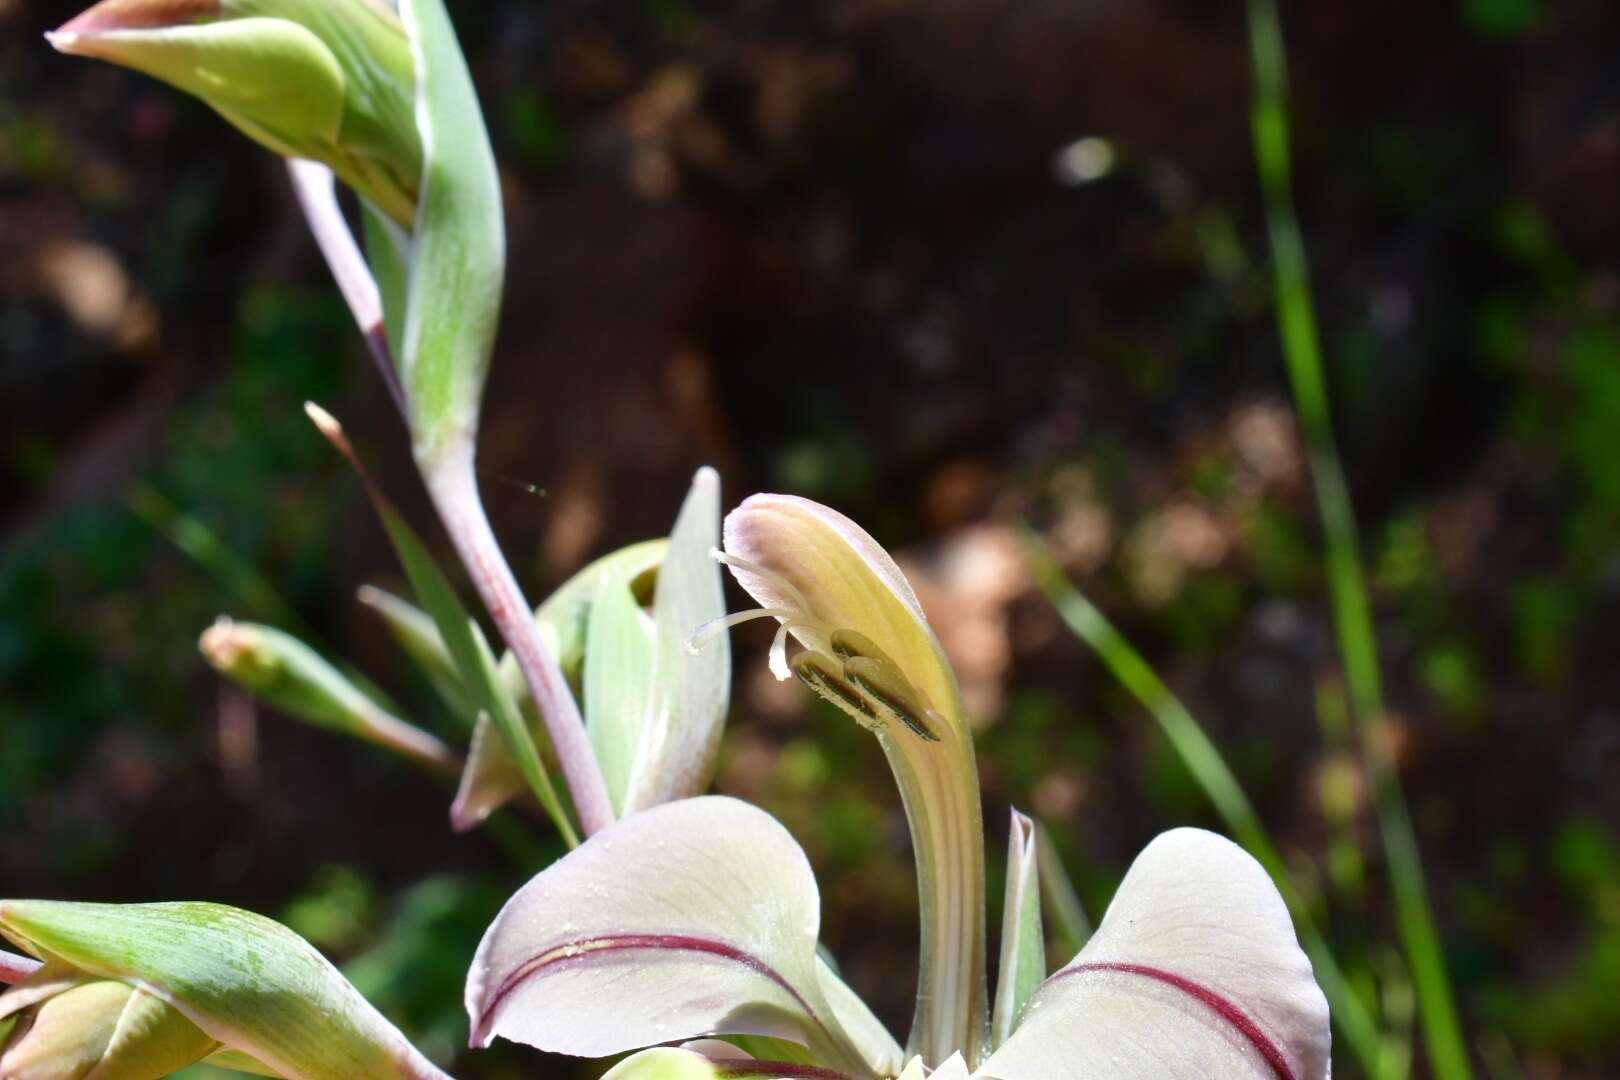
(822, 563)
(1195, 972)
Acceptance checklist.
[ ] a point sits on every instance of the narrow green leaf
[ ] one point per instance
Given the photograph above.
(1062, 901)
(1358, 645)
(459, 258)
(465, 642)
(246, 981)
(419, 639)
(1211, 772)
(473, 659)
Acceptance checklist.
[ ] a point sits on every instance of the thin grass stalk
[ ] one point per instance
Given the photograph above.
(1210, 771)
(1301, 341)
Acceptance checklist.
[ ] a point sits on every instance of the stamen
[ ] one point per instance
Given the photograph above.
(883, 682)
(778, 656)
(772, 576)
(820, 673)
(707, 632)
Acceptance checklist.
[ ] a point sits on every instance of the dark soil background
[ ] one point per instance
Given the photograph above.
(856, 249)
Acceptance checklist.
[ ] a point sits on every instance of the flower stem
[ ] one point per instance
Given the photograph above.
(452, 484)
(1296, 321)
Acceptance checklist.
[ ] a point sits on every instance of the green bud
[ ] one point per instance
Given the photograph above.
(63, 1023)
(204, 979)
(285, 673)
(328, 80)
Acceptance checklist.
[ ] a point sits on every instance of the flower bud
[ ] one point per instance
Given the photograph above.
(328, 80)
(63, 1023)
(285, 673)
(199, 980)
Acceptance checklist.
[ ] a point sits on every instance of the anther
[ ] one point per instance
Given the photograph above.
(822, 674)
(882, 682)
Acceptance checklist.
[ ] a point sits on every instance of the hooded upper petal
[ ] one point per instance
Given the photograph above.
(1194, 973)
(692, 918)
(830, 569)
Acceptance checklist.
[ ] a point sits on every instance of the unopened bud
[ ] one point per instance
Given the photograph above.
(61, 1022)
(328, 80)
(285, 673)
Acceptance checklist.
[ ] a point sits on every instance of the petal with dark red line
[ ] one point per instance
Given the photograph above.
(693, 918)
(1194, 973)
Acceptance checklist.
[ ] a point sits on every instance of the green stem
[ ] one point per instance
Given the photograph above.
(1212, 774)
(1296, 320)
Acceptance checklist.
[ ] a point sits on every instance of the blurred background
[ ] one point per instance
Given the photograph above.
(946, 265)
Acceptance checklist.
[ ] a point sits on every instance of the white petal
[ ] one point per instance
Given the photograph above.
(1194, 973)
(877, 1046)
(692, 918)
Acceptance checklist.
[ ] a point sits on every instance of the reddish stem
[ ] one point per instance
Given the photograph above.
(452, 483)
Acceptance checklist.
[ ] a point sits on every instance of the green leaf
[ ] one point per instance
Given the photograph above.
(473, 660)
(460, 246)
(1070, 924)
(462, 638)
(246, 981)
(418, 638)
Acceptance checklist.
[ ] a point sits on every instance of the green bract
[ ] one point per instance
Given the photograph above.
(286, 673)
(248, 985)
(327, 80)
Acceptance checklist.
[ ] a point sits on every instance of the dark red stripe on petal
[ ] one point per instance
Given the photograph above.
(1222, 1006)
(583, 950)
(742, 1068)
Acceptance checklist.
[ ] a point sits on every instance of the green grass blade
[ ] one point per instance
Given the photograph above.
(1064, 911)
(1215, 777)
(1296, 320)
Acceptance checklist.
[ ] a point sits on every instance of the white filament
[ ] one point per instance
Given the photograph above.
(707, 631)
(772, 576)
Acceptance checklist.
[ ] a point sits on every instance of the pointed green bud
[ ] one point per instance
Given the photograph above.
(200, 979)
(285, 673)
(328, 80)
